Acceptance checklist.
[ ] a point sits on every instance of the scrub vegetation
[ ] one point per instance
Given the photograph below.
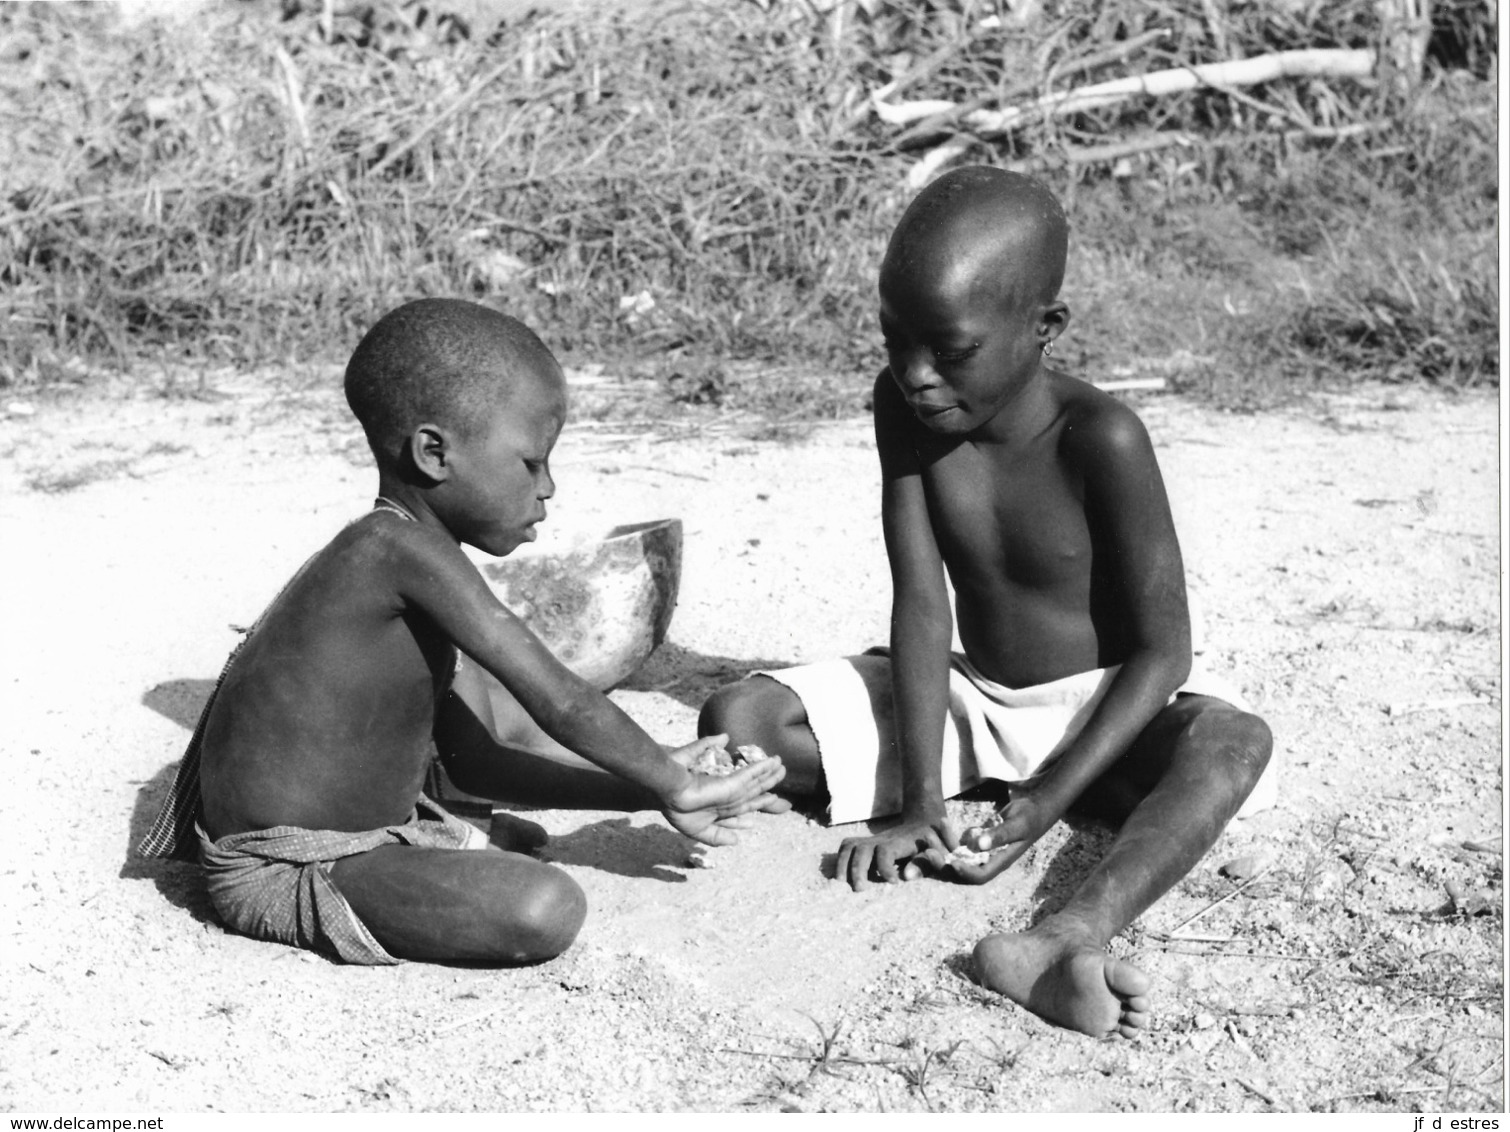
(700, 199)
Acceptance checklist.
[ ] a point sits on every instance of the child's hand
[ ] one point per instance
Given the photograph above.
(708, 809)
(933, 840)
(1022, 822)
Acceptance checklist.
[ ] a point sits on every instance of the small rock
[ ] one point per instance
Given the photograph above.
(21, 409)
(1245, 867)
(1204, 1021)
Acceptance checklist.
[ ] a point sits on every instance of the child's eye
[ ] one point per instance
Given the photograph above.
(955, 355)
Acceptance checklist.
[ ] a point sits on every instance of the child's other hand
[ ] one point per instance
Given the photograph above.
(709, 809)
(921, 839)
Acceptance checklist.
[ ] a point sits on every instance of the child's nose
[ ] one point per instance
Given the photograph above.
(547, 485)
(918, 373)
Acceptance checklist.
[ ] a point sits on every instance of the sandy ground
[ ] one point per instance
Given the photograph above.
(1347, 555)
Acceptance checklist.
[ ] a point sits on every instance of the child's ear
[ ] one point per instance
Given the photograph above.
(1054, 321)
(430, 451)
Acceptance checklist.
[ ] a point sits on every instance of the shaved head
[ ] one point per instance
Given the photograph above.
(441, 361)
(981, 227)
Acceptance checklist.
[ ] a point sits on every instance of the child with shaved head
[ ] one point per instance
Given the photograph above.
(1039, 498)
(301, 791)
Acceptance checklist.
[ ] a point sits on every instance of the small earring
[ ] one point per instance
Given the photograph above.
(1048, 349)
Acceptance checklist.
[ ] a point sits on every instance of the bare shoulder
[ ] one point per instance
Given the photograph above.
(1100, 432)
(386, 540)
(383, 559)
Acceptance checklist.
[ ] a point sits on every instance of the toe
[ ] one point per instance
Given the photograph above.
(1125, 980)
(1137, 1003)
(1134, 1018)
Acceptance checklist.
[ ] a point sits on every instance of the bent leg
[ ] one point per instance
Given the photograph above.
(766, 712)
(451, 904)
(770, 715)
(1178, 786)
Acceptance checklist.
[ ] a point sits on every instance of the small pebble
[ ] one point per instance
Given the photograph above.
(1204, 1021)
(964, 856)
(1242, 868)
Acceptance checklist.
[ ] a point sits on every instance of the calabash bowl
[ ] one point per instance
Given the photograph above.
(601, 606)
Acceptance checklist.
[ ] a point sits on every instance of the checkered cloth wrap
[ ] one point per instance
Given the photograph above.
(274, 884)
(173, 833)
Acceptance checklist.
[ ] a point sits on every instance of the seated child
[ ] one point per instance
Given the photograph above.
(1041, 498)
(302, 785)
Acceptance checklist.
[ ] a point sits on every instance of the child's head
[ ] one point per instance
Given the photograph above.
(467, 403)
(439, 360)
(969, 293)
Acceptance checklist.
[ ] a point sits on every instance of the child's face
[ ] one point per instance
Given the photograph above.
(501, 472)
(958, 348)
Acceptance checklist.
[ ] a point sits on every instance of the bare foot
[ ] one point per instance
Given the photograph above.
(514, 834)
(1065, 980)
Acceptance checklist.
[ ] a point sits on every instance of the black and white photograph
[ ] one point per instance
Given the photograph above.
(751, 556)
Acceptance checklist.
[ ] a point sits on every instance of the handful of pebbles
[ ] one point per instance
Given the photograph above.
(721, 763)
(966, 852)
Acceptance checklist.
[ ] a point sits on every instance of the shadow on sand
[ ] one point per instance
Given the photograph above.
(691, 677)
(179, 881)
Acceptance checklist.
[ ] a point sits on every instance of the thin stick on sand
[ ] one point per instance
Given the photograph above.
(1173, 933)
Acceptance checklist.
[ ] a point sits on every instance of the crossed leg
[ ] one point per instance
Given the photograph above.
(450, 904)
(485, 906)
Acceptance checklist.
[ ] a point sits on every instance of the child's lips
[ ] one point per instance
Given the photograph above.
(926, 411)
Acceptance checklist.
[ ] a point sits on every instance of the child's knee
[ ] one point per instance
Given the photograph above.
(546, 920)
(735, 709)
(1242, 739)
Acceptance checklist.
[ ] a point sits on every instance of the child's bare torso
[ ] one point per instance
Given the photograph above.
(324, 720)
(1035, 598)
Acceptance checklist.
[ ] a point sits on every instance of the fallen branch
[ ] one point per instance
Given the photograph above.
(941, 123)
(927, 168)
(1354, 63)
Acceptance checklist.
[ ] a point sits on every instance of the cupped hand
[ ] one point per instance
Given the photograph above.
(709, 809)
(886, 851)
(1021, 823)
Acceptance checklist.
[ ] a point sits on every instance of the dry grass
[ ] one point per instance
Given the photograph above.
(710, 187)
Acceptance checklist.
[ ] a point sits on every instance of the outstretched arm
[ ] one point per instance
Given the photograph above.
(437, 579)
(921, 624)
(1127, 506)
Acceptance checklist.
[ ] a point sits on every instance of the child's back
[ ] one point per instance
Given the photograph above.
(324, 718)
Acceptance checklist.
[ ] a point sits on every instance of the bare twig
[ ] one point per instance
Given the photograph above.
(1315, 62)
(1173, 933)
(1261, 1094)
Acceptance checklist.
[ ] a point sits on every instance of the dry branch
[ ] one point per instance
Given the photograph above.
(1356, 63)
